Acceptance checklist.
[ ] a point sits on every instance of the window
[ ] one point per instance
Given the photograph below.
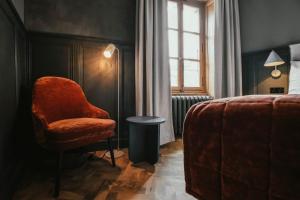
(186, 27)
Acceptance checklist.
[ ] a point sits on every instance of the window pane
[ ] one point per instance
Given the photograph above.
(174, 72)
(172, 15)
(173, 43)
(191, 74)
(191, 46)
(191, 17)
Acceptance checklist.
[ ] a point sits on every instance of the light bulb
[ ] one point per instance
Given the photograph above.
(109, 50)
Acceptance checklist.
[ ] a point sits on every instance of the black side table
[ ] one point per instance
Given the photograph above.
(144, 138)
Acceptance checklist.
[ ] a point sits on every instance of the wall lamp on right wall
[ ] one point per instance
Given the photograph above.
(274, 60)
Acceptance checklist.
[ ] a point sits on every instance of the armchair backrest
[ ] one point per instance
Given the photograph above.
(56, 98)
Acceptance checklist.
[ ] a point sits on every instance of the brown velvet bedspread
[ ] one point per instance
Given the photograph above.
(245, 148)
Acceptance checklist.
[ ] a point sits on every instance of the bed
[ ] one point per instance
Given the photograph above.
(246, 147)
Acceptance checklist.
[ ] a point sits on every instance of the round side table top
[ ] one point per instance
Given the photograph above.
(146, 120)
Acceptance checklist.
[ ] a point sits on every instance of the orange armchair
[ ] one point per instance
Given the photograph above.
(65, 120)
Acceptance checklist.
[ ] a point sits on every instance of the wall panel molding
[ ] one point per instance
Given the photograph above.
(51, 57)
(77, 63)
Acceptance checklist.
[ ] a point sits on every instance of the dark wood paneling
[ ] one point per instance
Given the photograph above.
(13, 70)
(100, 78)
(257, 78)
(8, 85)
(21, 61)
(81, 59)
(51, 58)
(128, 89)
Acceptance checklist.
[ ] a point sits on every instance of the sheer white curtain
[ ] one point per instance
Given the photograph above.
(152, 73)
(228, 61)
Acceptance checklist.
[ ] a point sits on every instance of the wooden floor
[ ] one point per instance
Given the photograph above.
(96, 179)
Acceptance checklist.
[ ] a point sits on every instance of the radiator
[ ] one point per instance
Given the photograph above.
(180, 106)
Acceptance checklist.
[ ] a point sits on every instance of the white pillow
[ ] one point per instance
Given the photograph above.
(294, 86)
(295, 52)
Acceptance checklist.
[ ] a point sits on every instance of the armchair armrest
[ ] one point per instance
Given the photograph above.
(39, 117)
(95, 112)
(40, 126)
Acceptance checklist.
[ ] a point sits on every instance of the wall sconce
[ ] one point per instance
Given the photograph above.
(274, 60)
(108, 53)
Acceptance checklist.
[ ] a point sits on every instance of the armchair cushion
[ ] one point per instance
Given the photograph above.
(69, 129)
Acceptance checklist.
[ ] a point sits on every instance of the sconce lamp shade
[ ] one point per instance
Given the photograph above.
(109, 50)
(273, 60)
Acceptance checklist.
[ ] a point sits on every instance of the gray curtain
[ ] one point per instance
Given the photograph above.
(152, 73)
(228, 61)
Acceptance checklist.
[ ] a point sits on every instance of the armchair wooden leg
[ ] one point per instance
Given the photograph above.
(58, 173)
(111, 150)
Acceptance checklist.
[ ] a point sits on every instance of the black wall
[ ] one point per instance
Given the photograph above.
(267, 25)
(110, 19)
(19, 5)
(13, 86)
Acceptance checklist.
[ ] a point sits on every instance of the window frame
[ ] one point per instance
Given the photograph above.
(202, 89)
(210, 63)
